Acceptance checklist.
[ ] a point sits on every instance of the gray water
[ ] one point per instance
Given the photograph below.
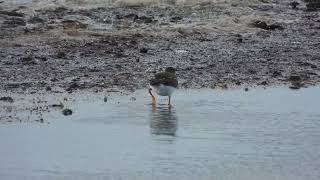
(207, 134)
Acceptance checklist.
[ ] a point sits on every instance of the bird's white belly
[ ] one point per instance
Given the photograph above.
(163, 90)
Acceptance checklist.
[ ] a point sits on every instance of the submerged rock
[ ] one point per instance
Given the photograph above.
(67, 112)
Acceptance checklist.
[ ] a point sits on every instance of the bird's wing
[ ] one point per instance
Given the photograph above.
(165, 79)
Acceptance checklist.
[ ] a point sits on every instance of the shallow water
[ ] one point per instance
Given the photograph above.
(207, 134)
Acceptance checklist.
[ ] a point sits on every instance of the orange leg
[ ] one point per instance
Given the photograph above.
(153, 99)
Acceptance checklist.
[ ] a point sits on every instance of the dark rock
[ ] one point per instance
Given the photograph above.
(129, 16)
(238, 83)
(175, 19)
(251, 71)
(12, 13)
(143, 50)
(146, 19)
(294, 4)
(28, 60)
(276, 74)
(61, 55)
(105, 99)
(67, 112)
(73, 86)
(48, 88)
(57, 105)
(14, 22)
(246, 89)
(312, 5)
(36, 19)
(43, 58)
(264, 83)
(7, 99)
(313, 66)
(275, 26)
(260, 24)
(294, 87)
(295, 78)
(265, 26)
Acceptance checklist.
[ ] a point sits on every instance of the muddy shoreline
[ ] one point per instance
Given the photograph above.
(62, 49)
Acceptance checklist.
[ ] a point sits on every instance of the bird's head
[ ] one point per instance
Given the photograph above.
(170, 70)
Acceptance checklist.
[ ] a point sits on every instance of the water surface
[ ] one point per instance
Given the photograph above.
(207, 134)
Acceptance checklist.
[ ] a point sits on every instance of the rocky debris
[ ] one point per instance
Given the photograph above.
(265, 26)
(7, 99)
(67, 112)
(14, 22)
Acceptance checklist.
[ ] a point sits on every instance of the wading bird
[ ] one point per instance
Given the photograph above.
(164, 84)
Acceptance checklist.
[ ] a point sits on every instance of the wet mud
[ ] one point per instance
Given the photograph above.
(67, 48)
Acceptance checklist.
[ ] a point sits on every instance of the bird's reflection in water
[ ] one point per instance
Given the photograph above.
(163, 120)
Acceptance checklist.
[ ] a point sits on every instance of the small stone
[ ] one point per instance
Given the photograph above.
(143, 50)
(48, 88)
(67, 112)
(58, 105)
(105, 99)
(246, 89)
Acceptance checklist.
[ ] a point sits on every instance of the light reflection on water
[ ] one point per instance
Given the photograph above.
(163, 120)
